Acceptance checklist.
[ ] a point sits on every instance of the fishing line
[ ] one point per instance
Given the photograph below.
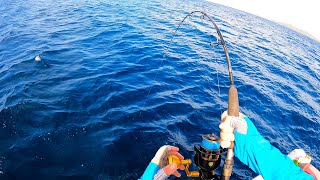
(219, 41)
(144, 103)
(211, 43)
(156, 75)
(218, 81)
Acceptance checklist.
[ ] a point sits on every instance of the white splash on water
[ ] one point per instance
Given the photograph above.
(37, 58)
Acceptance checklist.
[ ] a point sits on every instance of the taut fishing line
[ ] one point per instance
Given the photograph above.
(213, 43)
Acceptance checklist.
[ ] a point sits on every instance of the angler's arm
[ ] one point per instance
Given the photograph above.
(256, 152)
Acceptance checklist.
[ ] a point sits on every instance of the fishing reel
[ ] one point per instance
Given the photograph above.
(207, 158)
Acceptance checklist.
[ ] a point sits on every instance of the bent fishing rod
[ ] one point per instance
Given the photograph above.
(208, 155)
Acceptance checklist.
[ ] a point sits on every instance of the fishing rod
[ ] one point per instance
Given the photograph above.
(208, 155)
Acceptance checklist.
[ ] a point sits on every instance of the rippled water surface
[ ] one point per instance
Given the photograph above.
(104, 99)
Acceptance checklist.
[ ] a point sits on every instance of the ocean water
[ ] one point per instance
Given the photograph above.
(103, 98)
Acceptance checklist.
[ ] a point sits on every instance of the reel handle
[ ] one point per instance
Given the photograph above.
(186, 162)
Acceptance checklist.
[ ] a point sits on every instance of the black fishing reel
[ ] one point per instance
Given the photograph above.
(207, 158)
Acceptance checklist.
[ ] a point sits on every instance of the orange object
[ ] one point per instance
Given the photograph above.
(187, 162)
(308, 168)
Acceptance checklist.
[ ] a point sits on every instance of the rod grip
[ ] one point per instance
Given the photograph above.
(233, 102)
(233, 110)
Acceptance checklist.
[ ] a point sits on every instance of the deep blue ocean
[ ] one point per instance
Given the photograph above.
(103, 98)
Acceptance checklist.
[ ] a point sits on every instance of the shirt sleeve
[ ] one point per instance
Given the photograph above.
(257, 153)
(151, 170)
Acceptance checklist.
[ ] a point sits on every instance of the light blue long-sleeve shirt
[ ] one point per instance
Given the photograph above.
(257, 153)
(151, 170)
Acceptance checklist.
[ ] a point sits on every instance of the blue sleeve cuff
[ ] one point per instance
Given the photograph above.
(151, 170)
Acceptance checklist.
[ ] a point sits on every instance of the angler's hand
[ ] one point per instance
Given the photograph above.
(158, 168)
(227, 126)
(255, 151)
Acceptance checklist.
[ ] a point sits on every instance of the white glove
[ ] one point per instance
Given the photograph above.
(227, 126)
(300, 156)
(161, 159)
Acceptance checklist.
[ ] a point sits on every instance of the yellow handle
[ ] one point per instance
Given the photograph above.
(186, 162)
(177, 161)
